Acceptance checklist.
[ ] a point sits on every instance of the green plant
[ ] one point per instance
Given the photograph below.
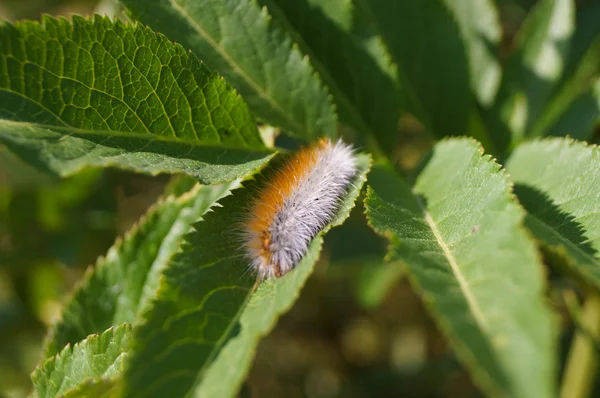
(171, 311)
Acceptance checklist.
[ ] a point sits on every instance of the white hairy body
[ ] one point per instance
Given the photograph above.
(296, 205)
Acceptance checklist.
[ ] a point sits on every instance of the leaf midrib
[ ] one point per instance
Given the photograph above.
(462, 282)
(334, 87)
(236, 67)
(67, 130)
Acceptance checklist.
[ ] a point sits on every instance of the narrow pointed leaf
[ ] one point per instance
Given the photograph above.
(83, 365)
(204, 319)
(459, 231)
(271, 300)
(426, 44)
(361, 80)
(122, 282)
(587, 31)
(574, 109)
(537, 65)
(558, 182)
(99, 92)
(479, 23)
(236, 38)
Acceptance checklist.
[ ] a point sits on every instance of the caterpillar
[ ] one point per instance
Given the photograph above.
(295, 204)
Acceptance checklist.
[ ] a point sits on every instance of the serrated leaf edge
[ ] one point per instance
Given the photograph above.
(560, 250)
(101, 262)
(263, 12)
(479, 376)
(68, 349)
(339, 219)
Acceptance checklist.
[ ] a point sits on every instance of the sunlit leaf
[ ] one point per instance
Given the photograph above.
(351, 61)
(122, 282)
(574, 109)
(422, 36)
(480, 26)
(237, 39)
(86, 365)
(205, 320)
(536, 66)
(459, 231)
(558, 182)
(104, 93)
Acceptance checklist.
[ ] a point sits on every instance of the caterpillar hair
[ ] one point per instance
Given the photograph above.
(295, 205)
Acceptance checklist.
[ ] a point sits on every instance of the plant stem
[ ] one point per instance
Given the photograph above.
(582, 362)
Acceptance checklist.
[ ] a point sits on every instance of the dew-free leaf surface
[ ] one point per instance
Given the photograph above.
(349, 58)
(420, 35)
(100, 92)
(206, 320)
(66, 151)
(122, 282)
(459, 231)
(237, 39)
(558, 182)
(88, 365)
(574, 109)
(479, 24)
(535, 68)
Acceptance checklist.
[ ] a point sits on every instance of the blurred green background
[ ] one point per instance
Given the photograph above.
(341, 339)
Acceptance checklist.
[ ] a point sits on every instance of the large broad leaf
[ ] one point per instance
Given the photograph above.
(459, 232)
(479, 24)
(537, 65)
(361, 79)
(122, 282)
(88, 366)
(575, 108)
(65, 151)
(205, 320)
(425, 42)
(558, 182)
(98, 92)
(236, 38)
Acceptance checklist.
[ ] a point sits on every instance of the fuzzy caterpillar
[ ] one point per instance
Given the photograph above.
(295, 205)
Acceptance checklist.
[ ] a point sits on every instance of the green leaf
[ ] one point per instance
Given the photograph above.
(587, 30)
(107, 89)
(575, 108)
(99, 387)
(98, 356)
(426, 44)
(479, 24)
(575, 111)
(236, 38)
(536, 66)
(66, 151)
(558, 182)
(205, 313)
(119, 287)
(459, 230)
(360, 78)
